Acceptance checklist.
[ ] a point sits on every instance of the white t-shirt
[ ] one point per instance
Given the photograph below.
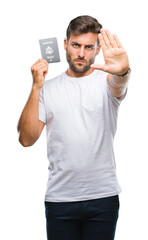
(81, 121)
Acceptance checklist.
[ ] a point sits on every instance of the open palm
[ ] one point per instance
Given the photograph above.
(115, 56)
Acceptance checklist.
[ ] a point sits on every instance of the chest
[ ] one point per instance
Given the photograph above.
(74, 96)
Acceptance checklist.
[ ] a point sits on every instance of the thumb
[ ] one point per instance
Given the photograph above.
(99, 67)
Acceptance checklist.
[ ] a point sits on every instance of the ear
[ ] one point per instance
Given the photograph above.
(65, 43)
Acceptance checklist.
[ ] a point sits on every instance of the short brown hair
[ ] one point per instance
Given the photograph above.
(83, 24)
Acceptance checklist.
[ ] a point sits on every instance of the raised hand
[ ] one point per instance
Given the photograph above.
(115, 56)
(39, 70)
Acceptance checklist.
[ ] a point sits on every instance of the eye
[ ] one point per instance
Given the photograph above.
(75, 45)
(89, 47)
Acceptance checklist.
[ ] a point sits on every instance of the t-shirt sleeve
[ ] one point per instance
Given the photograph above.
(42, 110)
(116, 101)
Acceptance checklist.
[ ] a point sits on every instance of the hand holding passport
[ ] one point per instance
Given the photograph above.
(49, 50)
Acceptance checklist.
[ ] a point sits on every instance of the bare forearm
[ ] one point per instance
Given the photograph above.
(28, 126)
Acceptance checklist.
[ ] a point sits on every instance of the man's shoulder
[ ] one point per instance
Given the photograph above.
(99, 77)
(53, 80)
(100, 73)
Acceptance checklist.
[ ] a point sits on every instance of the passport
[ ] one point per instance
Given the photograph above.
(49, 50)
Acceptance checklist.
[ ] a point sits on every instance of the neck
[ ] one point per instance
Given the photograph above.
(71, 73)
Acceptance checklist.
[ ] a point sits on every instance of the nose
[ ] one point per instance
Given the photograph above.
(81, 52)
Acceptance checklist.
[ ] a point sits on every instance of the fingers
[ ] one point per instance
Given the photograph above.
(39, 70)
(39, 64)
(40, 67)
(102, 42)
(105, 38)
(117, 41)
(111, 39)
(108, 40)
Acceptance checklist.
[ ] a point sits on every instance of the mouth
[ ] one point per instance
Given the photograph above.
(80, 62)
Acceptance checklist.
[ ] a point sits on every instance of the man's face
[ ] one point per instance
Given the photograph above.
(81, 51)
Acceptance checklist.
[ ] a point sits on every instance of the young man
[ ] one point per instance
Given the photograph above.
(79, 109)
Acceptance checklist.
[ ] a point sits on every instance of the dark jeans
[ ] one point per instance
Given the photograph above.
(84, 220)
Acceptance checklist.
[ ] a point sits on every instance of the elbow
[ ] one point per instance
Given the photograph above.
(27, 139)
(25, 143)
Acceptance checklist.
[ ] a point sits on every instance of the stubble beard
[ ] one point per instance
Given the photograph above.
(75, 68)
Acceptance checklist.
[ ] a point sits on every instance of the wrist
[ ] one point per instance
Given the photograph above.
(125, 74)
(35, 92)
(36, 87)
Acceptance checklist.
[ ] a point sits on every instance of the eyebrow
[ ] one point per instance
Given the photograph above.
(90, 45)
